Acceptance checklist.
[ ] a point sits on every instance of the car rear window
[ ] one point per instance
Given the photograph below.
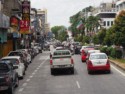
(61, 53)
(98, 57)
(14, 54)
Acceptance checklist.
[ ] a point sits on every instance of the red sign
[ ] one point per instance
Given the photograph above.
(24, 26)
(25, 23)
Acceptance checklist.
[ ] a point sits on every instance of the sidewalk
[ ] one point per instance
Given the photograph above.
(118, 64)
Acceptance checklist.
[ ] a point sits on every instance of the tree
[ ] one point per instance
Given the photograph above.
(95, 39)
(101, 35)
(55, 30)
(119, 29)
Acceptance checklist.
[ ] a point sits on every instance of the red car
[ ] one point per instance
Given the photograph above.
(84, 53)
(98, 62)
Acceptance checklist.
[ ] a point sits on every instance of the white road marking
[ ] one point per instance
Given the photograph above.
(78, 84)
(42, 57)
(20, 90)
(31, 76)
(28, 80)
(38, 68)
(118, 70)
(24, 84)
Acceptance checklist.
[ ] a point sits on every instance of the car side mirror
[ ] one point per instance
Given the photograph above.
(15, 67)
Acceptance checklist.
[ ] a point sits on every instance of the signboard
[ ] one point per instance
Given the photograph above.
(24, 26)
(14, 23)
(25, 23)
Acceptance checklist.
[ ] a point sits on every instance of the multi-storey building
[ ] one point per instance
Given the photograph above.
(120, 5)
(107, 13)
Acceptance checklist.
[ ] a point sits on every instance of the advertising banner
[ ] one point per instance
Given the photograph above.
(25, 23)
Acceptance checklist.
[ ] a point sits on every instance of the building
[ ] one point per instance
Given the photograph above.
(107, 13)
(42, 16)
(7, 9)
(120, 5)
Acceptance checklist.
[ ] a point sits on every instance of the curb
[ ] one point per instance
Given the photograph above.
(116, 64)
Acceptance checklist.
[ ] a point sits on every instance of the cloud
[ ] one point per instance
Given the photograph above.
(59, 11)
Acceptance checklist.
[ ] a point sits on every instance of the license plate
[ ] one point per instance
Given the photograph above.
(61, 66)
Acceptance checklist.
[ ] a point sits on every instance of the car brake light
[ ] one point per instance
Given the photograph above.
(107, 62)
(51, 62)
(7, 78)
(89, 63)
(72, 62)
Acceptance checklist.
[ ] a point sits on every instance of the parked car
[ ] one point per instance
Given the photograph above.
(98, 62)
(21, 54)
(61, 59)
(16, 60)
(8, 77)
(27, 55)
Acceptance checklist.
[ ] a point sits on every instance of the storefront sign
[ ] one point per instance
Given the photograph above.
(25, 23)
(14, 23)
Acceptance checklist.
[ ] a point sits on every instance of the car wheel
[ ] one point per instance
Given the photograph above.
(52, 71)
(89, 72)
(10, 90)
(72, 70)
(17, 82)
(109, 71)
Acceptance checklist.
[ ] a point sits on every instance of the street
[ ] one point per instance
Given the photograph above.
(38, 79)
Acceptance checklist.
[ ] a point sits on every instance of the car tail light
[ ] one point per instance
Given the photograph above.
(89, 63)
(17, 62)
(7, 79)
(51, 62)
(72, 62)
(107, 62)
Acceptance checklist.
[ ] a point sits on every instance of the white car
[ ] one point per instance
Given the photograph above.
(16, 60)
(83, 47)
(61, 59)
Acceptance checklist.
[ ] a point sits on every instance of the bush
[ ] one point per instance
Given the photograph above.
(118, 54)
(108, 50)
(104, 50)
(113, 53)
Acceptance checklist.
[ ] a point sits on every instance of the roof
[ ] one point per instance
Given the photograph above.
(11, 57)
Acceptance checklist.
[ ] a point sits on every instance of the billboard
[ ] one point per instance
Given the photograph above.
(25, 22)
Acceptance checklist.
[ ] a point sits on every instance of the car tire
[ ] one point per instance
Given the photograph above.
(17, 82)
(52, 71)
(89, 72)
(72, 70)
(108, 71)
(10, 90)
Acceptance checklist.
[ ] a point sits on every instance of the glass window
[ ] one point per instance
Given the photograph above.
(98, 57)
(111, 23)
(108, 23)
(104, 23)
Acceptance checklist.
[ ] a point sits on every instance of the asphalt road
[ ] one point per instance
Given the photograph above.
(38, 79)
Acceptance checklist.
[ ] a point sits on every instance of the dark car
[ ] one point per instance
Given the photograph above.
(8, 77)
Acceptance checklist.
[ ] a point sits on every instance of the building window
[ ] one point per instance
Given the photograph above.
(111, 23)
(104, 23)
(108, 23)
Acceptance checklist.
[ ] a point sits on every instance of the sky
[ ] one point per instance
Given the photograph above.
(59, 11)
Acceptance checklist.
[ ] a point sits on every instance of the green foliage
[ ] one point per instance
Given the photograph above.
(118, 54)
(104, 50)
(113, 53)
(101, 35)
(86, 39)
(95, 39)
(108, 50)
(60, 32)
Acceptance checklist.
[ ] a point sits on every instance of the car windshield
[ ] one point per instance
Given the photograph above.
(98, 57)
(14, 54)
(14, 61)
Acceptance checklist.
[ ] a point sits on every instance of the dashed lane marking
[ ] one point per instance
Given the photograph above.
(78, 85)
(20, 90)
(24, 84)
(28, 80)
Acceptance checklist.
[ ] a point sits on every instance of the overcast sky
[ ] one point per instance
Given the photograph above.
(59, 11)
